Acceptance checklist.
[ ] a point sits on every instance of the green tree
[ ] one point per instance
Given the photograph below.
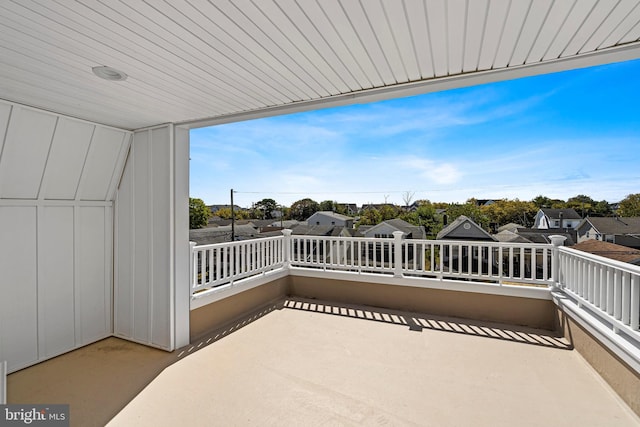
(542, 202)
(328, 205)
(425, 216)
(505, 211)
(470, 210)
(630, 205)
(370, 217)
(199, 213)
(582, 204)
(602, 208)
(225, 213)
(303, 209)
(389, 212)
(264, 208)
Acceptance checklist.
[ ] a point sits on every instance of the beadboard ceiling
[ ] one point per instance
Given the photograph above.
(205, 62)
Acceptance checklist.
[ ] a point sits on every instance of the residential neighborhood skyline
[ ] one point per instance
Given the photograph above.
(560, 135)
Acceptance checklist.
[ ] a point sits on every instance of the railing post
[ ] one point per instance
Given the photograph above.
(397, 253)
(286, 247)
(556, 241)
(192, 268)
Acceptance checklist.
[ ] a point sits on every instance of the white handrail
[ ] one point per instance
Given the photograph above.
(610, 287)
(472, 260)
(223, 264)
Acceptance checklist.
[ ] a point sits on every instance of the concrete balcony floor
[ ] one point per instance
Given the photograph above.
(312, 363)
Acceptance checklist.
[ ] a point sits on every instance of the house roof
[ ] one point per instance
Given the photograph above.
(609, 250)
(614, 225)
(401, 225)
(510, 227)
(566, 213)
(215, 62)
(210, 235)
(313, 230)
(332, 215)
(543, 236)
(459, 222)
(510, 237)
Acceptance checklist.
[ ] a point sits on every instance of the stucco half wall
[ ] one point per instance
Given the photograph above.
(616, 372)
(531, 312)
(221, 313)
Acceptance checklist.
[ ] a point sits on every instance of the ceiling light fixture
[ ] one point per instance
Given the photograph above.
(109, 73)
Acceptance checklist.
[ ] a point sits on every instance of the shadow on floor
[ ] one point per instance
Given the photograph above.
(419, 321)
(100, 379)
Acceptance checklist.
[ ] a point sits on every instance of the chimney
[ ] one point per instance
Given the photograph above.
(444, 220)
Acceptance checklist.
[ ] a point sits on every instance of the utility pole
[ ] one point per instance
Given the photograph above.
(233, 220)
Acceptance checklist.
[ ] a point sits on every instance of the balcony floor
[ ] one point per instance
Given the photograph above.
(315, 363)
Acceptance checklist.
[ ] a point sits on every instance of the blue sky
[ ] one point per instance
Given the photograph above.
(559, 135)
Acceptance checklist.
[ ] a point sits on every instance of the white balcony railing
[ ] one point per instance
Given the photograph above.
(220, 265)
(603, 293)
(480, 261)
(609, 288)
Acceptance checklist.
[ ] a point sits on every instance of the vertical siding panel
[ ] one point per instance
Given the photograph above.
(93, 316)
(124, 260)
(145, 239)
(142, 238)
(18, 305)
(161, 226)
(180, 306)
(56, 332)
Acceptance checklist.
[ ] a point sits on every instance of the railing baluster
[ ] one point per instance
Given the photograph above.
(626, 299)
(617, 294)
(635, 302)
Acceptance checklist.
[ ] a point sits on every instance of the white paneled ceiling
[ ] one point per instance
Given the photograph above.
(222, 60)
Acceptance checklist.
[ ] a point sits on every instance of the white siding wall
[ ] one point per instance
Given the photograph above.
(147, 223)
(57, 182)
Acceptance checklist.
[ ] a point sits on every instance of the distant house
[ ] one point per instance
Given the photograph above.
(485, 202)
(377, 206)
(620, 230)
(386, 228)
(544, 235)
(379, 251)
(349, 208)
(463, 228)
(513, 227)
(610, 250)
(508, 236)
(330, 218)
(461, 259)
(321, 230)
(221, 234)
(216, 208)
(556, 218)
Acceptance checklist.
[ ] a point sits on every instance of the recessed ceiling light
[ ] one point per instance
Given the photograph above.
(109, 73)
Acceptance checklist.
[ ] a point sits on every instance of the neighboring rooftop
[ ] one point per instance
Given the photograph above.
(462, 228)
(610, 250)
(615, 225)
(566, 213)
